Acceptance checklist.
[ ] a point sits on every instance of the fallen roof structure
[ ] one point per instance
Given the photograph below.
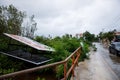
(30, 42)
(27, 56)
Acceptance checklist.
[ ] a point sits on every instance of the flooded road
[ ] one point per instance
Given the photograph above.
(100, 66)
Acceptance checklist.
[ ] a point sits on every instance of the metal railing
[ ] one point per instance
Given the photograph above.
(75, 56)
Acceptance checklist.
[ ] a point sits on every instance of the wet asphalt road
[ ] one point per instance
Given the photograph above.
(113, 61)
(101, 66)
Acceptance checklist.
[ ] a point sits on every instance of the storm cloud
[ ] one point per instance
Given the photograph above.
(58, 17)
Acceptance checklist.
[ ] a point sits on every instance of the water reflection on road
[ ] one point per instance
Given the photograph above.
(101, 66)
(112, 60)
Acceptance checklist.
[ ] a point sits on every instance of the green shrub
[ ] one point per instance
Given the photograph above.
(7, 65)
(64, 46)
(40, 78)
(94, 47)
(85, 50)
(60, 71)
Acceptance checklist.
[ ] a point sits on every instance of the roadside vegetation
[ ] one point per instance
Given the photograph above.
(107, 35)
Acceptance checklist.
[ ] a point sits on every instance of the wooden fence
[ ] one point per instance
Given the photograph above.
(75, 56)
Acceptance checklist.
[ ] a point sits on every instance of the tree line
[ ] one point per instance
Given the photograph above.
(11, 20)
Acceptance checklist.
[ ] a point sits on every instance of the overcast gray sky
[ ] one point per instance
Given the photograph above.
(58, 17)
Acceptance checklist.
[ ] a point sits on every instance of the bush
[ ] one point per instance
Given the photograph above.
(40, 78)
(94, 47)
(59, 71)
(85, 50)
(64, 46)
(7, 65)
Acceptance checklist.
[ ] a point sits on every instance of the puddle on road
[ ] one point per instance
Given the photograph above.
(116, 64)
(115, 59)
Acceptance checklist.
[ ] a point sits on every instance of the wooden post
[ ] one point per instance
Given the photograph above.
(77, 53)
(73, 60)
(65, 71)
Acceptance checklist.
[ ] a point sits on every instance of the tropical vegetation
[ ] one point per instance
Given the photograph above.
(11, 20)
